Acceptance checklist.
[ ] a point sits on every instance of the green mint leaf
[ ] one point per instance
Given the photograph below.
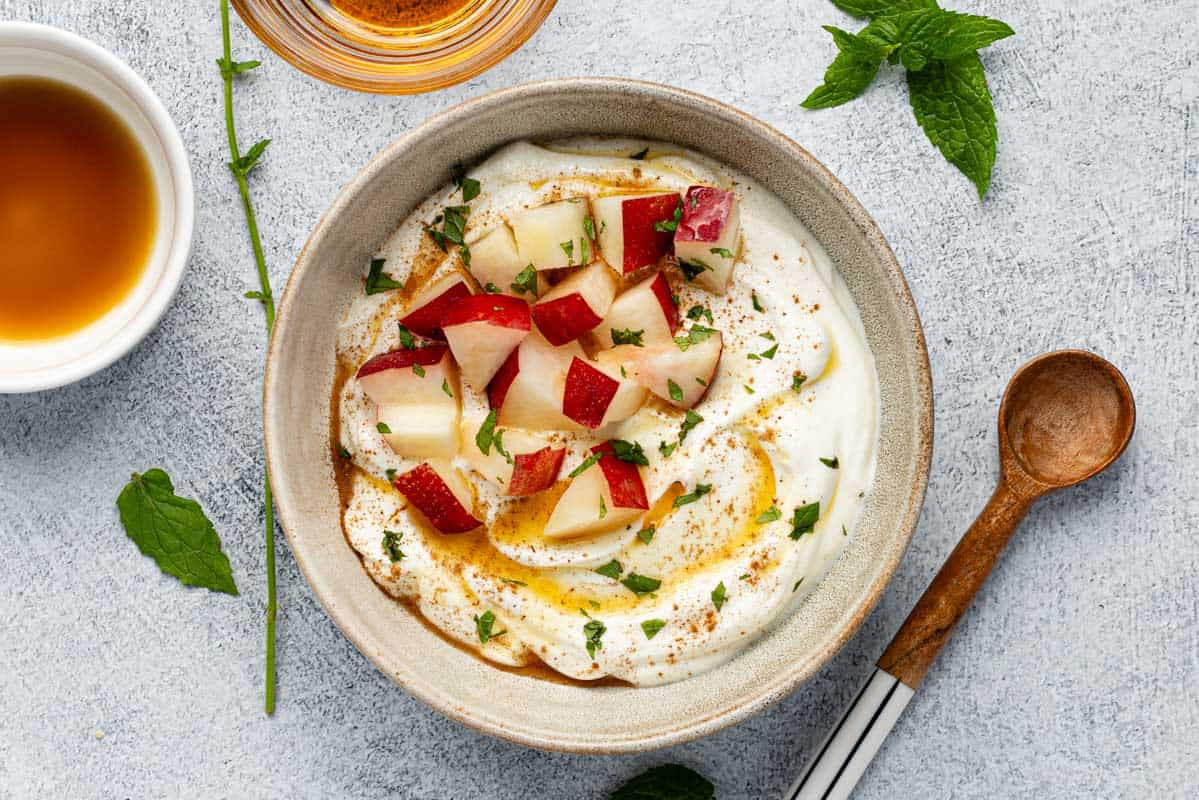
(701, 489)
(769, 353)
(343, 452)
(611, 570)
(569, 249)
(646, 535)
(797, 381)
(483, 626)
(592, 633)
(805, 519)
(590, 461)
(391, 546)
(795, 588)
(230, 68)
(953, 105)
(667, 782)
(690, 420)
(640, 584)
(723, 252)
(769, 515)
(491, 288)
(485, 436)
(497, 441)
(864, 9)
(242, 166)
(941, 35)
(692, 269)
(603, 512)
(589, 228)
(628, 336)
(851, 72)
(753, 296)
(831, 463)
(526, 281)
(666, 449)
(694, 335)
(748, 389)
(697, 312)
(671, 225)
(718, 596)
(445, 387)
(650, 627)
(470, 189)
(640, 155)
(383, 427)
(174, 531)
(391, 475)
(629, 451)
(418, 370)
(407, 340)
(377, 281)
(676, 394)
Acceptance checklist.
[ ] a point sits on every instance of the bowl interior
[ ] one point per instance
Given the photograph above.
(39, 51)
(301, 374)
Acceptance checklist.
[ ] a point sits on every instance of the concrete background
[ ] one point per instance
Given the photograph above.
(1076, 673)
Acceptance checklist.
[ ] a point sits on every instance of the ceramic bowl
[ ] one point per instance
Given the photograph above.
(298, 398)
(31, 50)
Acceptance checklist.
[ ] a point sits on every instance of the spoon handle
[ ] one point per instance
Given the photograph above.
(931, 623)
(845, 754)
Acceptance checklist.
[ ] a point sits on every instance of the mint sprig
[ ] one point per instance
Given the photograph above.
(947, 85)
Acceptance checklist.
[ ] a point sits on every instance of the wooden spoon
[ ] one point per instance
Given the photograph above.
(1066, 416)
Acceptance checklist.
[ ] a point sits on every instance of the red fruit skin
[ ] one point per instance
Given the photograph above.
(497, 390)
(535, 472)
(661, 289)
(400, 359)
(643, 245)
(624, 479)
(426, 320)
(495, 309)
(425, 490)
(565, 319)
(588, 393)
(705, 212)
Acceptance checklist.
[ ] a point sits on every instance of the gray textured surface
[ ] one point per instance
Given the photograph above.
(1075, 674)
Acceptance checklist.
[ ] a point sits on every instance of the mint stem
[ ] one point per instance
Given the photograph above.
(267, 298)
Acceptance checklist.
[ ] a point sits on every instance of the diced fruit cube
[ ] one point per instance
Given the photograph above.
(592, 397)
(420, 430)
(439, 492)
(626, 230)
(527, 389)
(576, 305)
(676, 375)
(587, 508)
(707, 236)
(648, 308)
(530, 466)
(394, 377)
(425, 310)
(554, 235)
(495, 261)
(483, 330)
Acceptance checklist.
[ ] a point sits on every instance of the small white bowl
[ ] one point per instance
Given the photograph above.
(40, 51)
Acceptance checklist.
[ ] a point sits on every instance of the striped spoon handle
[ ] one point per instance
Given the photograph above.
(848, 750)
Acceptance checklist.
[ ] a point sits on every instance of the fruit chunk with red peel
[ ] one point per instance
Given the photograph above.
(483, 330)
(576, 305)
(439, 492)
(554, 235)
(680, 377)
(495, 262)
(425, 311)
(536, 471)
(707, 236)
(628, 229)
(409, 375)
(527, 389)
(587, 508)
(647, 307)
(523, 463)
(593, 397)
(625, 484)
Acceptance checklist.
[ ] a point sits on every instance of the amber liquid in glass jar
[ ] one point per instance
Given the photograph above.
(400, 13)
(78, 209)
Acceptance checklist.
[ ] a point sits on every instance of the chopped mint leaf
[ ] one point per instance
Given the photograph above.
(718, 596)
(640, 584)
(646, 535)
(805, 519)
(491, 288)
(676, 394)
(797, 381)
(588, 462)
(418, 370)
(383, 427)
(670, 225)
(526, 281)
(701, 489)
(628, 336)
(650, 627)
(391, 545)
(769, 515)
(831, 463)
(629, 451)
(694, 335)
(770, 353)
(611, 570)
(445, 387)
(483, 625)
(343, 452)
(485, 436)
(377, 281)
(692, 269)
(391, 475)
(498, 442)
(666, 449)
(796, 586)
(690, 420)
(513, 582)
(569, 249)
(589, 228)
(584, 251)
(723, 252)
(603, 508)
(593, 631)
(753, 296)
(748, 389)
(640, 155)
(407, 340)
(697, 312)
